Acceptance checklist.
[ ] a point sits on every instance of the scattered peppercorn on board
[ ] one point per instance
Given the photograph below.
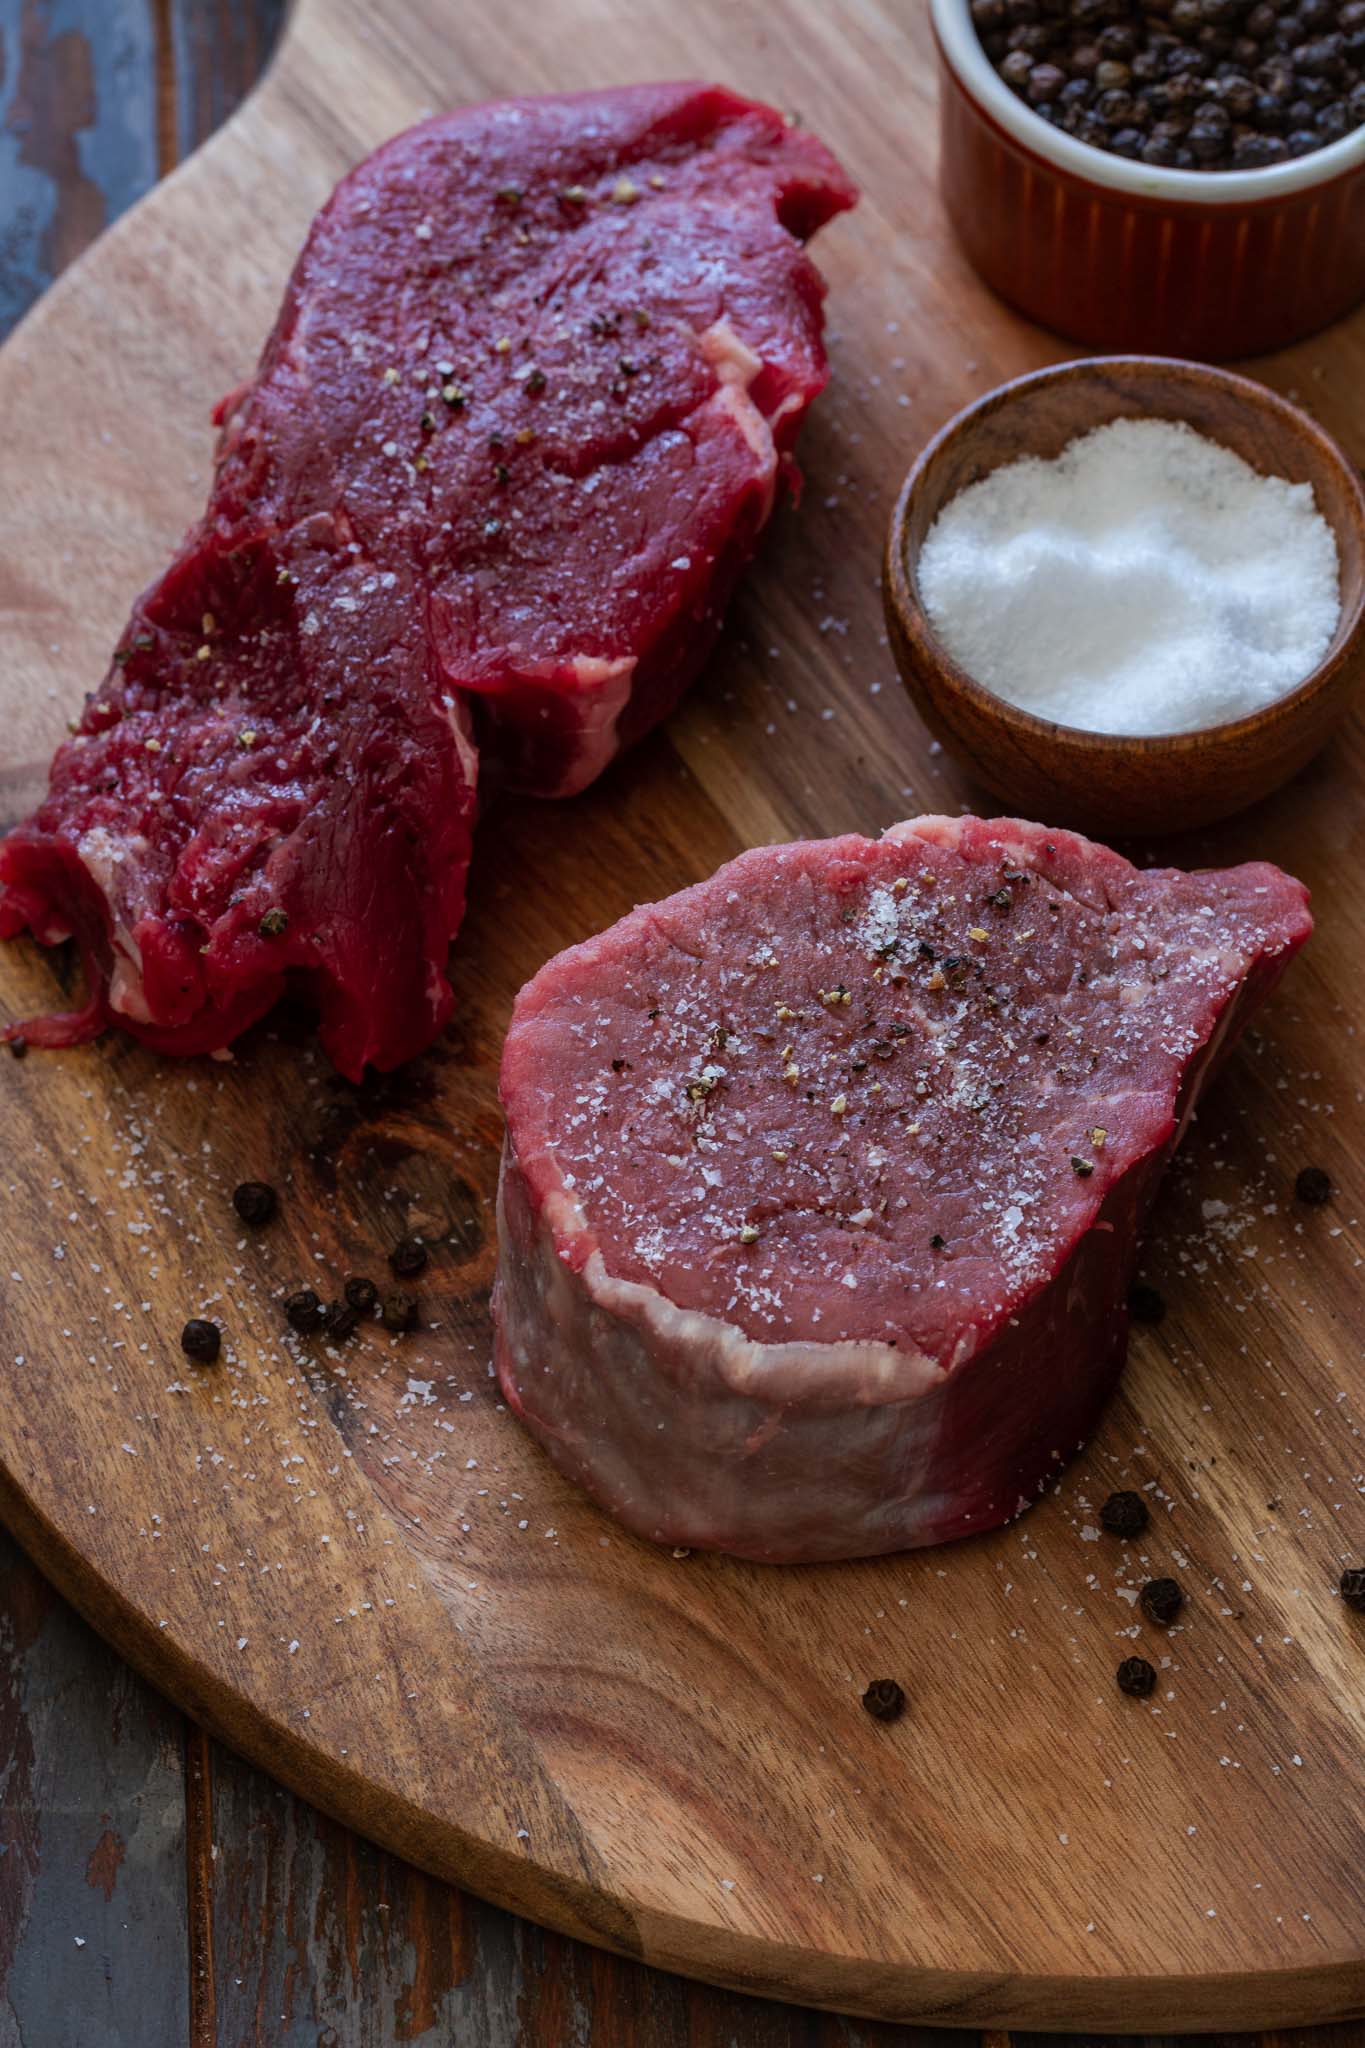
(350, 1561)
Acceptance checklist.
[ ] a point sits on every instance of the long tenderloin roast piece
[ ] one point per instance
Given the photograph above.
(524, 413)
(823, 1179)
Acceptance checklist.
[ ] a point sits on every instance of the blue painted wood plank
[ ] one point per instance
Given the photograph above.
(93, 1941)
(97, 99)
(320, 1937)
(220, 48)
(77, 132)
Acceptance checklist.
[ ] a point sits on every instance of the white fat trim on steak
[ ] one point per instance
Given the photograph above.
(736, 366)
(858, 1371)
(457, 711)
(606, 682)
(104, 857)
(596, 743)
(642, 1412)
(937, 830)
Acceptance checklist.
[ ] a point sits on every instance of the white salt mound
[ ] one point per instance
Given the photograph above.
(1147, 581)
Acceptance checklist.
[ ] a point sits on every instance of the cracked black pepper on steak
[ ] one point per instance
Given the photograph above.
(1195, 85)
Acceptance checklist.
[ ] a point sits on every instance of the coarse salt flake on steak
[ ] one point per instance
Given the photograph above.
(523, 415)
(823, 1179)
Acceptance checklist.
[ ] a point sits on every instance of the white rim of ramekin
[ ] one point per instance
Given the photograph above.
(962, 48)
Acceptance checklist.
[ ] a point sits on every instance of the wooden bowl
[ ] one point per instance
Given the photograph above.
(1104, 782)
(1127, 255)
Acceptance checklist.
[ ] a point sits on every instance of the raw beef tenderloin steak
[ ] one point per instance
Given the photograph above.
(823, 1179)
(523, 415)
(296, 801)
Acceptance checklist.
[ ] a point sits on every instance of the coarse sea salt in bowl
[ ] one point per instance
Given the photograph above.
(1111, 607)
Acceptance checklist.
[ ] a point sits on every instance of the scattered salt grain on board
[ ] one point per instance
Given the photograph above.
(1146, 581)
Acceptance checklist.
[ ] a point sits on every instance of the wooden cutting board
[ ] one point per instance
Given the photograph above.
(356, 1568)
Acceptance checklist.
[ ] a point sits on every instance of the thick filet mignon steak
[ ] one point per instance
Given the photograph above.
(523, 415)
(823, 1179)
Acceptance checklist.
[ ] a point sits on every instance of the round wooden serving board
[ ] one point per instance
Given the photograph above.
(355, 1566)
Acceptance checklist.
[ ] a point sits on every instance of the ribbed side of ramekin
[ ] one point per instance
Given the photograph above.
(1121, 271)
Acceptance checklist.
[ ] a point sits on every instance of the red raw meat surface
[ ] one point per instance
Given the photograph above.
(522, 418)
(823, 1179)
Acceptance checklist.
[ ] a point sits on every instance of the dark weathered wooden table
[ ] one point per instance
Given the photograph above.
(153, 1889)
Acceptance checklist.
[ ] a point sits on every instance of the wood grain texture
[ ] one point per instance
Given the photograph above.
(319, 1936)
(92, 1892)
(666, 1756)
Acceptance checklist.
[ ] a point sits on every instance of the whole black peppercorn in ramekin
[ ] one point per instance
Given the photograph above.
(1136, 1677)
(1149, 179)
(884, 1699)
(1190, 85)
(1124, 1514)
(398, 1311)
(1353, 1588)
(408, 1257)
(303, 1310)
(340, 1321)
(1161, 1601)
(201, 1341)
(255, 1202)
(1145, 1304)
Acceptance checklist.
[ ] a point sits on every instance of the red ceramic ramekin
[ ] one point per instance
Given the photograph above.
(1128, 256)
